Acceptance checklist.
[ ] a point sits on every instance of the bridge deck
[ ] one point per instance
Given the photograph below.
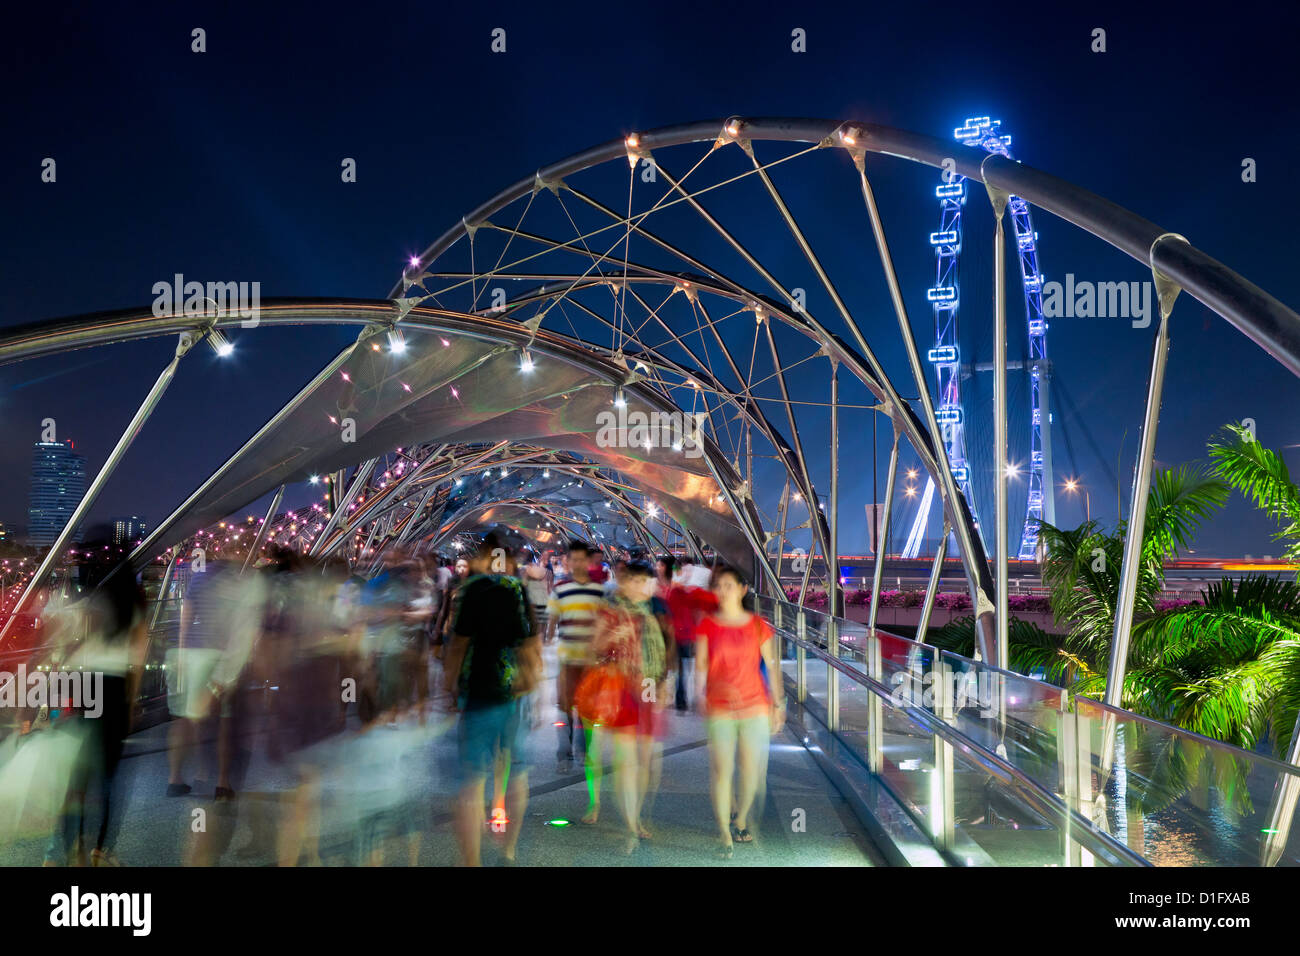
(409, 772)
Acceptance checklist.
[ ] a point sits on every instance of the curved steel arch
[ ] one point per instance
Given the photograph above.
(1269, 323)
(518, 457)
(127, 325)
(904, 417)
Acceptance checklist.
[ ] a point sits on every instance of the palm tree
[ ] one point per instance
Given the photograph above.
(1261, 475)
(1082, 570)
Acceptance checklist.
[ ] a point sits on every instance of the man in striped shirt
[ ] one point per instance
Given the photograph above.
(572, 619)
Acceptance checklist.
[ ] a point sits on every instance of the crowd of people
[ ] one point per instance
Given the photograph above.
(336, 682)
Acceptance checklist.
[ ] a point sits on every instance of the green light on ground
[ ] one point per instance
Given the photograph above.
(557, 823)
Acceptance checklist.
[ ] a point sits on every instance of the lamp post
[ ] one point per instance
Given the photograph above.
(1072, 486)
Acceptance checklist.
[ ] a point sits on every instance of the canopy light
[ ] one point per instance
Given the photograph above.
(220, 344)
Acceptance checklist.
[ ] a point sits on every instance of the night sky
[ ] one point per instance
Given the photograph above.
(225, 165)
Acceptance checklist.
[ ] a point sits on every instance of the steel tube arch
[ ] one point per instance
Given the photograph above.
(1272, 325)
(69, 334)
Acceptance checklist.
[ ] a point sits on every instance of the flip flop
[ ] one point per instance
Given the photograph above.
(741, 836)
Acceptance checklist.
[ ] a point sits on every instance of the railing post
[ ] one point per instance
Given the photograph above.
(875, 707)
(832, 675)
(1074, 757)
(801, 659)
(943, 801)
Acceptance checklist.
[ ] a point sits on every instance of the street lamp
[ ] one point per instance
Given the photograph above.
(1072, 486)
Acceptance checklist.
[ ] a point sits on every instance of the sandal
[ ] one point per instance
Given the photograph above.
(724, 852)
(741, 836)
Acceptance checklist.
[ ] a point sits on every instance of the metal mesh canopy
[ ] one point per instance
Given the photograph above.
(460, 391)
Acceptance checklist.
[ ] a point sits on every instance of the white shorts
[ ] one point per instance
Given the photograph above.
(189, 669)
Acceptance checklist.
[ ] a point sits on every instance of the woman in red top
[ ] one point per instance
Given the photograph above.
(740, 708)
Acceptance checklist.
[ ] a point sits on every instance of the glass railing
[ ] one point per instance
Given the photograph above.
(1155, 791)
(969, 753)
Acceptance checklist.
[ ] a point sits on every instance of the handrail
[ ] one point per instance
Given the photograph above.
(1034, 793)
(1124, 715)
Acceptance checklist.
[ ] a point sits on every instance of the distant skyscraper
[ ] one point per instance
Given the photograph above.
(58, 483)
(127, 529)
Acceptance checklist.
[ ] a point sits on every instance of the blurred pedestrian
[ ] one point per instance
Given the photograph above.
(493, 665)
(742, 709)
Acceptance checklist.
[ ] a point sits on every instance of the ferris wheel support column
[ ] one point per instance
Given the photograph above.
(999, 199)
(1044, 367)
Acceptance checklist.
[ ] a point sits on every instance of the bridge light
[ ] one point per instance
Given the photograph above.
(220, 344)
(943, 293)
(950, 190)
(946, 238)
(942, 355)
(619, 400)
(632, 141)
(525, 362)
(396, 341)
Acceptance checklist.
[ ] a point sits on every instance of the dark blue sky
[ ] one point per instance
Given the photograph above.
(226, 165)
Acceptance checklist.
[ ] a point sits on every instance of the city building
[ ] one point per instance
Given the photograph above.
(58, 484)
(128, 529)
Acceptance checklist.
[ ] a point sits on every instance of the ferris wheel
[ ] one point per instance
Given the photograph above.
(981, 132)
